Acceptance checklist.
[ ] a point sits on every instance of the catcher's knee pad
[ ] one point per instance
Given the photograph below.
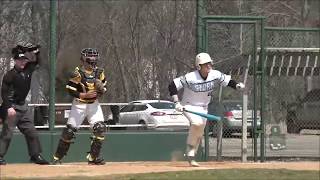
(99, 129)
(68, 134)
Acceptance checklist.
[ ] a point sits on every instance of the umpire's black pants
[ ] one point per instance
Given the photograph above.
(25, 124)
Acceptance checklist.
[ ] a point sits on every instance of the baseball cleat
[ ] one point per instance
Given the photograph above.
(56, 161)
(2, 161)
(193, 163)
(98, 161)
(38, 159)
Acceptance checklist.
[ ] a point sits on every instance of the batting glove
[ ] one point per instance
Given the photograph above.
(240, 86)
(179, 107)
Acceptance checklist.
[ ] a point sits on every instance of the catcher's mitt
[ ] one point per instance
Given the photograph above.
(100, 87)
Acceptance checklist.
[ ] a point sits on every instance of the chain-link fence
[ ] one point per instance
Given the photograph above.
(292, 92)
(234, 44)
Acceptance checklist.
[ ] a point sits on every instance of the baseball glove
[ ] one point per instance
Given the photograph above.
(100, 87)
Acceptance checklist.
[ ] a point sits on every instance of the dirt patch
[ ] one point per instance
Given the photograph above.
(111, 168)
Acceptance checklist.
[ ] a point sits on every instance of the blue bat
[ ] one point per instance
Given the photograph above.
(210, 117)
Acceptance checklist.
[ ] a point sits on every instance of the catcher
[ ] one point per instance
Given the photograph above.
(86, 84)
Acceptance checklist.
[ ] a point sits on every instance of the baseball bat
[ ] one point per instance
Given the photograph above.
(210, 117)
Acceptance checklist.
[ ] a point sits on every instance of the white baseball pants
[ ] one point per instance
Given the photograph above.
(80, 111)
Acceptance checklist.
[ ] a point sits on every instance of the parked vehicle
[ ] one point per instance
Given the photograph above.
(304, 113)
(152, 114)
(232, 121)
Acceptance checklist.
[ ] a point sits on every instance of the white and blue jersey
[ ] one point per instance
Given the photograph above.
(197, 91)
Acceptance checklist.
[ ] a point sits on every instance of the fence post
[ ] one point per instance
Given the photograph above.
(244, 128)
(262, 91)
(220, 127)
(53, 48)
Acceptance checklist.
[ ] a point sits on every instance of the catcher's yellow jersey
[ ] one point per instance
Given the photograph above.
(82, 80)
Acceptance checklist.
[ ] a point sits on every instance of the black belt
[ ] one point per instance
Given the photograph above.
(88, 102)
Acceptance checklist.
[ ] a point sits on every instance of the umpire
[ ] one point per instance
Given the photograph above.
(14, 90)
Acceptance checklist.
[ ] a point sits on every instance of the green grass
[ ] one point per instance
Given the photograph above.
(219, 174)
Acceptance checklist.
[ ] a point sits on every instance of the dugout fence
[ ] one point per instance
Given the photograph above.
(280, 68)
(234, 43)
(292, 93)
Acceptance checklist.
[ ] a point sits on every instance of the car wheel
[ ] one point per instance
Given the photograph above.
(110, 122)
(292, 126)
(212, 130)
(144, 125)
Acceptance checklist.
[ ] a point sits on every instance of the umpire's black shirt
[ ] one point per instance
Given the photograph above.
(16, 85)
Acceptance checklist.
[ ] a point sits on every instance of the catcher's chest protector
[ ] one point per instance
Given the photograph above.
(88, 79)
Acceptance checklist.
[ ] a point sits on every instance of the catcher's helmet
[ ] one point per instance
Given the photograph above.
(90, 56)
(202, 58)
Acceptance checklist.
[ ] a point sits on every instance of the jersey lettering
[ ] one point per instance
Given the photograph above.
(197, 91)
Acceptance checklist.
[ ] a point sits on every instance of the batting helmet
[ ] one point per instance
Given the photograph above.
(202, 58)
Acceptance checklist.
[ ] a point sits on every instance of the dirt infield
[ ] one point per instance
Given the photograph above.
(112, 168)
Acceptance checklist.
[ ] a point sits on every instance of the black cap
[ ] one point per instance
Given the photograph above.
(18, 53)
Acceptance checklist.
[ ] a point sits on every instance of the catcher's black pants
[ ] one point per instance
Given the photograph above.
(25, 124)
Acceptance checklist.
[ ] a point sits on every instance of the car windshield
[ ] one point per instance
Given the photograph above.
(162, 105)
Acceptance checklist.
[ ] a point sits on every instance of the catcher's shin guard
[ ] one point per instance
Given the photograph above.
(96, 145)
(99, 129)
(64, 143)
(62, 149)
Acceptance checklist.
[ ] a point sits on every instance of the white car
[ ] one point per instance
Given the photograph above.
(152, 114)
(232, 121)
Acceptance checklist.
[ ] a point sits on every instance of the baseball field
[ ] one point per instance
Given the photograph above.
(165, 170)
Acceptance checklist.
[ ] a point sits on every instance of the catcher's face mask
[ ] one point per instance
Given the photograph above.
(90, 57)
(91, 61)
